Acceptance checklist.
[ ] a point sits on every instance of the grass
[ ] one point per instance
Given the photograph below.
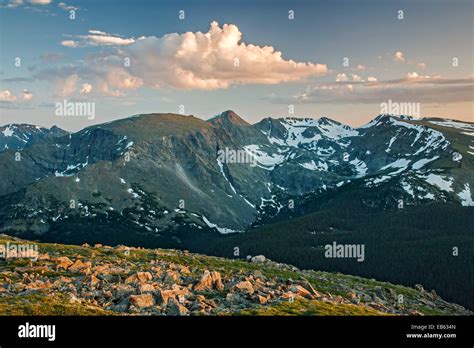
(310, 308)
(39, 304)
(324, 282)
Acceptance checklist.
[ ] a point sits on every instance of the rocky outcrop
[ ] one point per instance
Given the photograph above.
(170, 282)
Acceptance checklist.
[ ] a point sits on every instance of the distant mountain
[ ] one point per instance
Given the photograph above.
(18, 136)
(161, 171)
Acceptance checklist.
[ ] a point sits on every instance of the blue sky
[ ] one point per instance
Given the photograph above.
(405, 60)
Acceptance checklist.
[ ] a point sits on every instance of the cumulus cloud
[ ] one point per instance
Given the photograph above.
(26, 95)
(341, 77)
(86, 88)
(193, 60)
(216, 59)
(67, 86)
(7, 96)
(399, 56)
(115, 82)
(371, 79)
(344, 78)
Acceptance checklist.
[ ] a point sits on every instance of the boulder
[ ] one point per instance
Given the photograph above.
(258, 259)
(140, 277)
(217, 281)
(300, 291)
(142, 301)
(172, 277)
(176, 308)
(77, 266)
(234, 298)
(245, 287)
(205, 283)
(63, 262)
(145, 288)
(262, 300)
(94, 280)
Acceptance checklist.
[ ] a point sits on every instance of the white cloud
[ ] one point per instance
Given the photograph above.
(67, 86)
(7, 96)
(216, 59)
(97, 38)
(14, 3)
(341, 77)
(360, 67)
(86, 88)
(69, 43)
(399, 56)
(67, 7)
(26, 95)
(356, 78)
(115, 81)
(414, 76)
(25, 4)
(193, 60)
(422, 65)
(40, 2)
(372, 79)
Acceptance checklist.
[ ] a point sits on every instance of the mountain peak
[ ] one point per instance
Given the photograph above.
(228, 117)
(328, 121)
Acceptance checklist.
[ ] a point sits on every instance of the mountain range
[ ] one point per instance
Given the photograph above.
(159, 180)
(157, 168)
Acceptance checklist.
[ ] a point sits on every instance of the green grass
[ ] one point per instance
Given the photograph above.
(306, 307)
(41, 305)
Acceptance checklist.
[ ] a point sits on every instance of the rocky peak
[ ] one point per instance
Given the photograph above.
(227, 118)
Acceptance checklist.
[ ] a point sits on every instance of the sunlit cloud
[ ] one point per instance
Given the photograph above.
(399, 56)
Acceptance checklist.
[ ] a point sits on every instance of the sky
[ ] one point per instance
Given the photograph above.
(342, 59)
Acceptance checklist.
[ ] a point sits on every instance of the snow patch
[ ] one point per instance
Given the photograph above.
(265, 160)
(360, 167)
(466, 196)
(223, 230)
(421, 163)
(8, 132)
(320, 166)
(439, 181)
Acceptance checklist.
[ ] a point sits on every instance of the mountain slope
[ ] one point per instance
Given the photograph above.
(101, 280)
(158, 169)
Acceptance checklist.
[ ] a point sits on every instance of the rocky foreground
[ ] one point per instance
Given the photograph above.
(103, 280)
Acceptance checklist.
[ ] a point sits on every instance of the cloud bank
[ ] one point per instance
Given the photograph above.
(413, 87)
